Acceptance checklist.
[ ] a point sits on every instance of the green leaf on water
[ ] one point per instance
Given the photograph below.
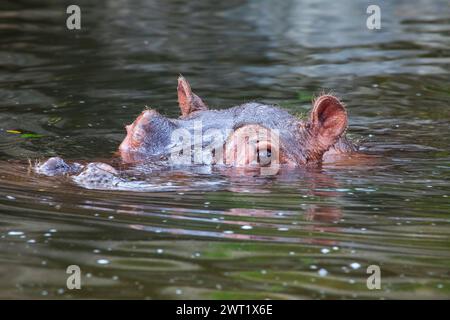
(31, 135)
(13, 131)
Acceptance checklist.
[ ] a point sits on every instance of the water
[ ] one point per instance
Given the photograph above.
(204, 233)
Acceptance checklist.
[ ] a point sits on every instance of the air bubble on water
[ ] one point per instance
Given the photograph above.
(31, 241)
(111, 217)
(283, 229)
(96, 251)
(178, 291)
(335, 248)
(291, 253)
(44, 293)
(325, 250)
(88, 275)
(10, 197)
(115, 278)
(440, 286)
(228, 232)
(60, 291)
(246, 227)
(355, 265)
(322, 272)
(103, 261)
(351, 281)
(15, 233)
(52, 230)
(313, 267)
(263, 271)
(159, 251)
(47, 234)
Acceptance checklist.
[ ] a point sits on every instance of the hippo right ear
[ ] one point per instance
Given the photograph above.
(188, 101)
(328, 121)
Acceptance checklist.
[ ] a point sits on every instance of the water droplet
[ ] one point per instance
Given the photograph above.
(228, 232)
(283, 229)
(247, 227)
(322, 272)
(15, 233)
(10, 197)
(325, 250)
(355, 265)
(103, 261)
(178, 291)
(159, 251)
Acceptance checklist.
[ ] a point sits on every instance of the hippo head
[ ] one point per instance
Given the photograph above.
(253, 134)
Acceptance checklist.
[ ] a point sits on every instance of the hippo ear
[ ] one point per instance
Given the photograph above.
(328, 121)
(188, 101)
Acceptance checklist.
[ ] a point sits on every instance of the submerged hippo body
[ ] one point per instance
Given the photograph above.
(252, 134)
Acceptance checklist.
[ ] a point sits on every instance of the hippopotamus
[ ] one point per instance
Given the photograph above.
(252, 134)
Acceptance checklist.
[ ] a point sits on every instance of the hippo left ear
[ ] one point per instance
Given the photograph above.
(188, 101)
(328, 122)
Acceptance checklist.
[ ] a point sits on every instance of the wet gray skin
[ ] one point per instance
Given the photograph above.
(151, 138)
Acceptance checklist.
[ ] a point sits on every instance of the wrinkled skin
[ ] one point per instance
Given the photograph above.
(252, 134)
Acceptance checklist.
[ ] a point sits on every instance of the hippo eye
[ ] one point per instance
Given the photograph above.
(264, 157)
